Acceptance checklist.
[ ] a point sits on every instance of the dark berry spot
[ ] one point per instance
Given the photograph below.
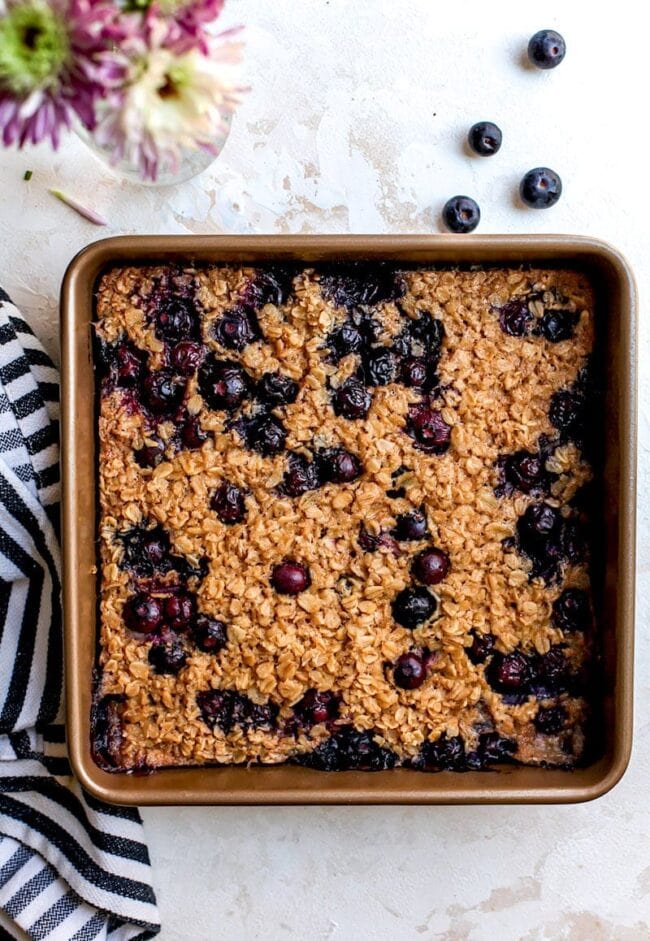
(378, 367)
(445, 754)
(275, 389)
(551, 719)
(339, 466)
(229, 503)
(430, 566)
(571, 611)
(186, 357)
(143, 613)
(557, 325)
(167, 656)
(107, 735)
(352, 286)
(236, 328)
(223, 384)
(409, 671)
(209, 634)
(290, 578)
(178, 611)
(162, 392)
(150, 455)
(411, 527)
(263, 433)
(428, 429)
(317, 706)
(508, 673)
(413, 606)
(421, 337)
(485, 138)
(491, 748)
(193, 436)
(515, 317)
(301, 475)
(351, 400)
(482, 647)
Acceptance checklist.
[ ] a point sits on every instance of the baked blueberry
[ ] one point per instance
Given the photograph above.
(167, 656)
(229, 503)
(351, 400)
(146, 551)
(411, 527)
(428, 429)
(509, 673)
(540, 188)
(572, 611)
(409, 671)
(263, 433)
(301, 475)
(415, 372)
(186, 357)
(143, 613)
(193, 436)
(482, 647)
(557, 325)
(128, 364)
(355, 285)
(316, 707)
(461, 214)
(236, 328)
(491, 748)
(150, 455)
(567, 412)
(379, 366)
(485, 138)
(162, 393)
(430, 566)
(546, 49)
(344, 340)
(370, 543)
(275, 389)
(515, 317)
(551, 673)
(178, 611)
(290, 578)
(525, 471)
(339, 466)
(349, 750)
(227, 708)
(272, 286)
(551, 719)
(209, 634)
(223, 384)
(176, 319)
(445, 754)
(413, 606)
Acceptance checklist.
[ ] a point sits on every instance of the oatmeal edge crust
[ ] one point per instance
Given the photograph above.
(340, 634)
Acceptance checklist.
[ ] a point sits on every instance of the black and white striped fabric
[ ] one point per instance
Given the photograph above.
(71, 868)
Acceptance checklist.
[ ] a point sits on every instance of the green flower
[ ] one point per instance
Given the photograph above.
(34, 48)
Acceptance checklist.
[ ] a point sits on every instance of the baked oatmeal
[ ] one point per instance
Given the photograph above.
(344, 517)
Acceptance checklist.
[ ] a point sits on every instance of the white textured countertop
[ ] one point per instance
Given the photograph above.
(355, 124)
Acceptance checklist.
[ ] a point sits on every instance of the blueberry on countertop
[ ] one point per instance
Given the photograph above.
(540, 188)
(461, 214)
(485, 138)
(546, 49)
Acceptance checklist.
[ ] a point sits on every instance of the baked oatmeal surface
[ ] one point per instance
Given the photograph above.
(261, 596)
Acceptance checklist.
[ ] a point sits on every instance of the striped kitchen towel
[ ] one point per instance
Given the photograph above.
(71, 867)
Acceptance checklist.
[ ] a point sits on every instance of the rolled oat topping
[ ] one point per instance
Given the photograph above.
(342, 518)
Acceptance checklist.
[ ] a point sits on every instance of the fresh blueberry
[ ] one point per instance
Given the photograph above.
(572, 611)
(344, 340)
(209, 634)
(351, 400)
(236, 328)
(143, 613)
(540, 188)
(162, 392)
(178, 611)
(485, 138)
(409, 671)
(301, 475)
(150, 455)
(461, 214)
(339, 466)
(379, 367)
(316, 707)
(263, 433)
(229, 503)
(546, 49)
(223, 384)
(508, 673)
(515, 317)
(167, 656)
(413, 606)
(290, 578)
(557, 325)
(186, 357)
(275, 389)
(445, 754)
(482, 647)
(193, 436)
(430, 566)
(411, 527)
(551, 719)
(428, 429)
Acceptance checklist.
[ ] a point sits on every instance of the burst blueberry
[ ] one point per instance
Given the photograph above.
(186, 357)
(167, 656)
(236, 328)
(209, 634)
(411, 527)
(515, 317)
(558, 325)
(301, 475)
(339, 466)
(193, 436)
(551, 719)
(379, 367)
(509, 673)
(572, 611)
(413, 606)
(275, 389)
(481, 648)
(223, 384)
(229, 503)
(178, 611)
(316, 707)
(428, 429)
(143, 613)
(351, 400)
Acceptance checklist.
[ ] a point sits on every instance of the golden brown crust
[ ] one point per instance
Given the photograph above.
(339, 634)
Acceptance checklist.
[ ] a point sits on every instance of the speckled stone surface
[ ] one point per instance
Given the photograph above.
(356, 123)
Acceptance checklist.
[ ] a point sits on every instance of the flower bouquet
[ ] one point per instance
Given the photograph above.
(145, 83)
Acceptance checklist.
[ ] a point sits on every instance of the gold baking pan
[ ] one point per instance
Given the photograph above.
(616, 340)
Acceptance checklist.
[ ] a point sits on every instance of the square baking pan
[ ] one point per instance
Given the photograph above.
(615, 553)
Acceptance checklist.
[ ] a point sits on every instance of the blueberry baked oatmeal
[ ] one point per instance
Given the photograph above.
(344, 517)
